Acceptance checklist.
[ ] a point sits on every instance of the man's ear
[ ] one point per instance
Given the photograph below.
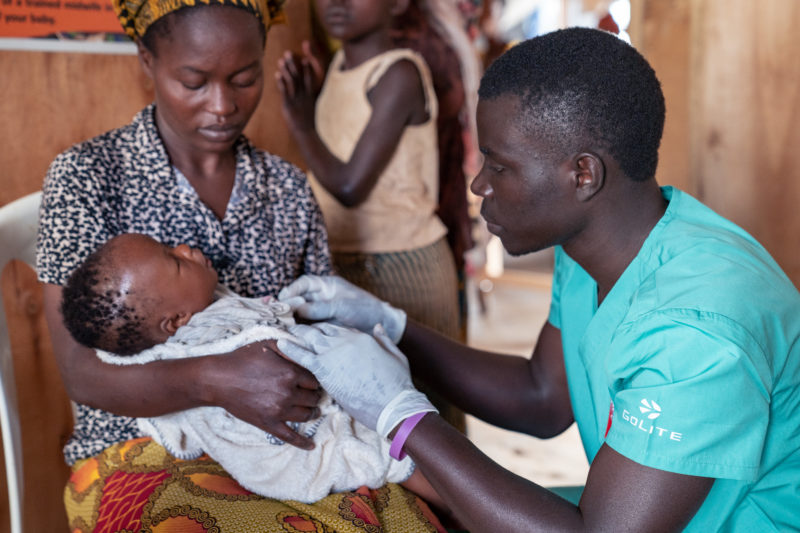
(145, 58)
(400, 7)
(589, 175)
(170, 324)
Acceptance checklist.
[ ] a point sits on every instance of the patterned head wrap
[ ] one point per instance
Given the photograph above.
(137, 15)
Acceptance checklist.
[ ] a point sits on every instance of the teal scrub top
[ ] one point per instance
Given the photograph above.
(697, 348)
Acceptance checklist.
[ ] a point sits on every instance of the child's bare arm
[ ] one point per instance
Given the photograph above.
(398, 100)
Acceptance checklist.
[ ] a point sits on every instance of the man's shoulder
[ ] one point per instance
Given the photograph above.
(718, 284)
(710, 253)
(703, 269)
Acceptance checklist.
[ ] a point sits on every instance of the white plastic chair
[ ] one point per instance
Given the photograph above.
(18, 226)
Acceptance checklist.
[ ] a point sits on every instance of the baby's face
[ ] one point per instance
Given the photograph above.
(180, 278)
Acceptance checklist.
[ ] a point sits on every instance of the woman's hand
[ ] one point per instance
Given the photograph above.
(257, 385)
(299, 82)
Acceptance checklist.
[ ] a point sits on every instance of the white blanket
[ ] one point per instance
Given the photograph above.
(347, 454)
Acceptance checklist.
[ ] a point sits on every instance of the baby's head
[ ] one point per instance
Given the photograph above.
(134, 292)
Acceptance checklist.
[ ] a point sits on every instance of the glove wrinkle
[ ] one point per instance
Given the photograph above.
(334, 299)
(368, 376)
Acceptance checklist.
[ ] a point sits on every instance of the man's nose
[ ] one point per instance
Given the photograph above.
(480, 185)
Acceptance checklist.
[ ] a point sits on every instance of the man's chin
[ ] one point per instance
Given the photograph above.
(515, 253)
(519, 251)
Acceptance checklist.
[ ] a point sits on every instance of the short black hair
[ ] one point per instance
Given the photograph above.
(97, 312)
(162, 28)
(585, 87)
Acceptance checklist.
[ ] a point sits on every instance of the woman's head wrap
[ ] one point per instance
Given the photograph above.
(137, 15)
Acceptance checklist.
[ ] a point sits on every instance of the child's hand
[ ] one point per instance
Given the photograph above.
(317, 69)
(299, 81)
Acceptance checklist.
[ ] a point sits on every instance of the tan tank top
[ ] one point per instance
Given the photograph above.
(399, 212)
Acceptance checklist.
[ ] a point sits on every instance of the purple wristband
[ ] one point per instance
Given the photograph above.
(399, 440)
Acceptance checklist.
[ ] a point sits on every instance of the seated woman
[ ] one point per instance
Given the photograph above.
(137, 300)
(183, 173)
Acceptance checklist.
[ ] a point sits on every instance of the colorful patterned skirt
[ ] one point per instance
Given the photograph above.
(423, 283)
(136, 486)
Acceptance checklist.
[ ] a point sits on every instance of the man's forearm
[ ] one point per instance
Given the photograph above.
(469, 377)
(484, 496)
(620, 494)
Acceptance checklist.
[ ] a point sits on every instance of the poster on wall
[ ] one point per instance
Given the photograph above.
(62, 25)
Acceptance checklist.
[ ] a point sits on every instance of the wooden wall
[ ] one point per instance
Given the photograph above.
(731, 71)
(49, 101)
(660, 30)
(729, 68)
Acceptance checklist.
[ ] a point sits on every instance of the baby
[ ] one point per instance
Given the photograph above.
(136, 300)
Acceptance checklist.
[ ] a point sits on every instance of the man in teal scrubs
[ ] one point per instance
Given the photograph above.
(673, 339)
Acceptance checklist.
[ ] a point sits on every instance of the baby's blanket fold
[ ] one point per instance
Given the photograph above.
(347, 454)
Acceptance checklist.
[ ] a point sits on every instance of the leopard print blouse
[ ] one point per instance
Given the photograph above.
(122, 181)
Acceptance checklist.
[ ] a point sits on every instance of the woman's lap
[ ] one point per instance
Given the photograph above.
(137, 486)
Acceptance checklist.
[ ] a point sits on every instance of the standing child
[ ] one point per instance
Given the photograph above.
(436, 30)
(369, 138)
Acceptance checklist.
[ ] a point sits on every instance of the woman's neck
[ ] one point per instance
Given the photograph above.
(204, 166)
(211, 174)
(193, 162)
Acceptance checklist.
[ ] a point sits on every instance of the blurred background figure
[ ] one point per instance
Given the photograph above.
(437, 30)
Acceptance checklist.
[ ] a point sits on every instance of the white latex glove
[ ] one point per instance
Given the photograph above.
(367, 376)
(337, 300)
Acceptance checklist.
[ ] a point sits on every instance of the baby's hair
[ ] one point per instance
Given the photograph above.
(98, 312)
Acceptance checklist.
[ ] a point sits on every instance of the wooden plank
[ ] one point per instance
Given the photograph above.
(730, 72)
(745, 105)
(45, 413)
(51, 100)
(660, 31)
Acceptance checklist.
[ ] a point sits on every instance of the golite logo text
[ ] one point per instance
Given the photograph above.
(645, 421)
